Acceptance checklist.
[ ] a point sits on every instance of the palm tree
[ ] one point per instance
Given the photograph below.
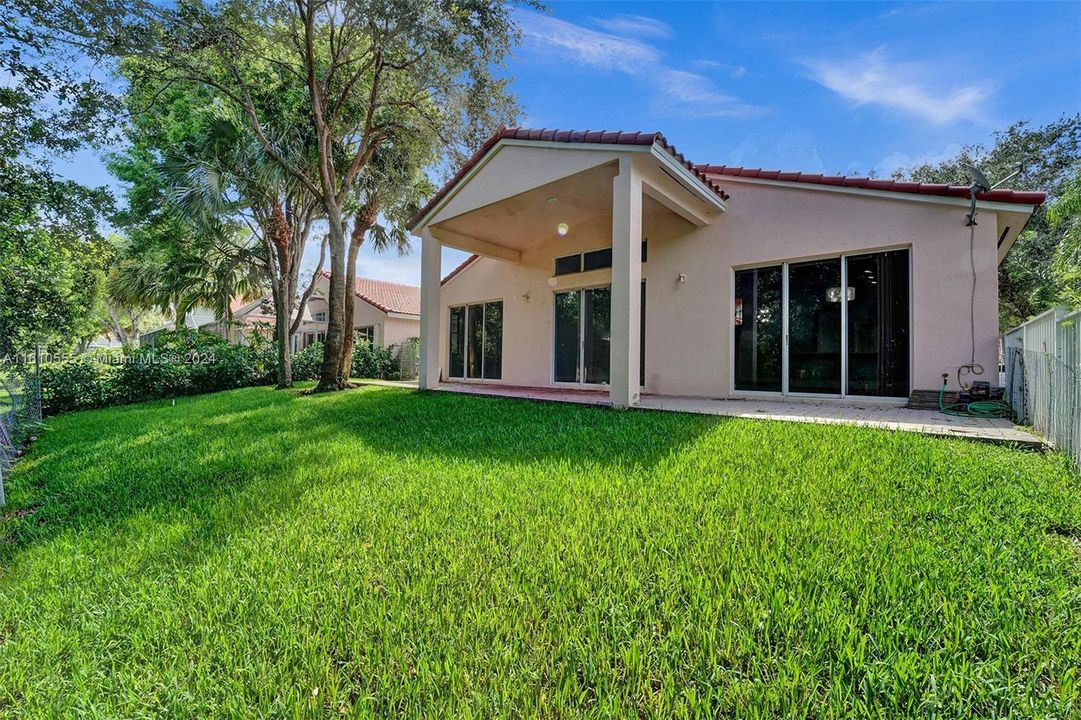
(221, 175)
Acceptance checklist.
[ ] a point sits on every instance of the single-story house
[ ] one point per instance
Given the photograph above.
(388, 315)
(607, 260)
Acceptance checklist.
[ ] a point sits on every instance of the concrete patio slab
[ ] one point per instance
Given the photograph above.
(883, 416)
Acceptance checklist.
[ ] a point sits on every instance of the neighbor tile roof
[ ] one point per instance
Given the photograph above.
(719, 172)
(710, 174)
(387, 296)
(603, 137)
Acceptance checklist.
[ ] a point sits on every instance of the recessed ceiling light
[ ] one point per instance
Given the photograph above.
(562, 228)
(552, 200)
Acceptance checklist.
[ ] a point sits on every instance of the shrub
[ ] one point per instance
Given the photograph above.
(76, 385)
(307, 362)
(183, 362)
(371, 362)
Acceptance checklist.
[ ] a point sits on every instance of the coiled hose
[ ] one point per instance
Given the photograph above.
(979, 409)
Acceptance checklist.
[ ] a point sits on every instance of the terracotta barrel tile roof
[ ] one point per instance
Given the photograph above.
(719, 172)
(386, 296)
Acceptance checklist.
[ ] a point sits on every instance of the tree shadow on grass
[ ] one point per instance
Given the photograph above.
(199, 459)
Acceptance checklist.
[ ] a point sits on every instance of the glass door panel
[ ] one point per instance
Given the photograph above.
(759, 324)
(475, 325)
(493, 340)
(567, 325)
(596, 334)
(878, 342)
(814, 327)
(457, 342)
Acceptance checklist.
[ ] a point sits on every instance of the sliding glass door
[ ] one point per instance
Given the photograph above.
(835, 327)
(476, 341)
(583, 336)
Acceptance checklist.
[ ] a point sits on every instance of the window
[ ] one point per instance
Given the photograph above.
(476, 341)
(568, 264)
(320, 316)
(592, 260)
(366, 333)
(597, 259)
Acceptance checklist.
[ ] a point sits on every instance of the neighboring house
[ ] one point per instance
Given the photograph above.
(196, 318)
(256, 317)
(388, 314)
(607, 260)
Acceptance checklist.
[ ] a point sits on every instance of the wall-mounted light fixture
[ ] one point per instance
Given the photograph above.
(683, 277)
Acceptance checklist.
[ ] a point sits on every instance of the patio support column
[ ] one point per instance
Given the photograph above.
(626, 285)
(431, 252)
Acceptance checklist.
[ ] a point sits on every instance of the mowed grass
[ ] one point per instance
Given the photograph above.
(382, 552)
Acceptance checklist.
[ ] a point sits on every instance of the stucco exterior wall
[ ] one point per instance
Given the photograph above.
(689, 325)
(390, 329)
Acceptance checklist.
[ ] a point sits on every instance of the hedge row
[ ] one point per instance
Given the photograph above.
(185, 362)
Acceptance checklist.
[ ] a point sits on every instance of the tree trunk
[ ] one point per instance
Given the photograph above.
(282, 316)
(279, 233)
(330, 375)
(364, 221)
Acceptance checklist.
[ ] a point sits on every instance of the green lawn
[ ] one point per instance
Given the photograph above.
(385, 552)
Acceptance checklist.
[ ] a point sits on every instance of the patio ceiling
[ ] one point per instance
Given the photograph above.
(531, 218)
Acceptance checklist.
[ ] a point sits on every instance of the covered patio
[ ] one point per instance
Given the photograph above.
(516, 196)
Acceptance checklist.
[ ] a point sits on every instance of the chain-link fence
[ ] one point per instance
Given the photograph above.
(20, 409)
(1045, 393)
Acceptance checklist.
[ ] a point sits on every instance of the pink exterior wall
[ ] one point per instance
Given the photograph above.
(689, 325)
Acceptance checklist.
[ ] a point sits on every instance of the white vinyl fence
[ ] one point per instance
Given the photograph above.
(1043, 377)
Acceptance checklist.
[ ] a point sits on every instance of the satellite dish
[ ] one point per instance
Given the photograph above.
(980, 183)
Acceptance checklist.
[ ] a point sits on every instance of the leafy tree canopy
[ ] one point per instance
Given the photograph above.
(1049, 158)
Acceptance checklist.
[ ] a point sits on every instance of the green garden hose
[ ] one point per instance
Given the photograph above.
(979, 409)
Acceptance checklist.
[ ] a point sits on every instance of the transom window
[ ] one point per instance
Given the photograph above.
(476, 341)
(591, 260)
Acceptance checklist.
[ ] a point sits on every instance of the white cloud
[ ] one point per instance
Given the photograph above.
(588, 47)
(676, 91)
(635, 26)
(691, 94)
(909, 87)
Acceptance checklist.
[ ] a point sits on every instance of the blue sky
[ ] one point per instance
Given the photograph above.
(841, 87)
